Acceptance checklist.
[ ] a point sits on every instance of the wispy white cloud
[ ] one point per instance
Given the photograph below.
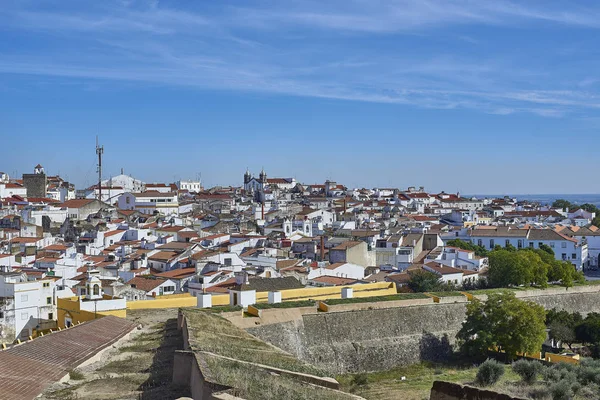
(282, 50)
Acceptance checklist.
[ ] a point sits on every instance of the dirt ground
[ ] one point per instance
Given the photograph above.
(137, 368)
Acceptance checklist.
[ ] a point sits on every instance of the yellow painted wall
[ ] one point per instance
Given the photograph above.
(557, 358)
(171, 302)
(71, 306)
(316, 293)
(220, 300)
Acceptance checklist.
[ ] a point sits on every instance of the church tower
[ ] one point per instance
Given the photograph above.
(247, 177)
(263, 176)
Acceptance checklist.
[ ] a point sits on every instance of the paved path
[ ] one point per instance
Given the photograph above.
(26, 370)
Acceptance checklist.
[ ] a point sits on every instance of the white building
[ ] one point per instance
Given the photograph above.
(150, 202)
(153, 286)
(459, 258)
(565, 248)
(12, 189)
(26, 305)
(340, 270)
(191, 186)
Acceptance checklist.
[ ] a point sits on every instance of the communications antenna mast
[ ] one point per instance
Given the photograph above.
(99, 152)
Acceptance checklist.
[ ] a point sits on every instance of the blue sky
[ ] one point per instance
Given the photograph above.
(476, 96)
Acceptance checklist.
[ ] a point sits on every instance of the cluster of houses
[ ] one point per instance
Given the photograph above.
(127, 239)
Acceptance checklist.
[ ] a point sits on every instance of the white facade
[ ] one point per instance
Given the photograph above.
(55, 214)
(192, 186)
(565, 249)
(341, 270)
(149, 202)
(12, 189)
(242, 298)
(28, 305)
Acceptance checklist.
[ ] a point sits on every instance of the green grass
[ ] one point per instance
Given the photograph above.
(223, 309)
(137, 363)
(446, 294)
(419, 380)
(286, 304)
(588, 283)
(76, 375)
(392, 297)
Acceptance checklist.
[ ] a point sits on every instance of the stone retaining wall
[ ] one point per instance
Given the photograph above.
(381, 338)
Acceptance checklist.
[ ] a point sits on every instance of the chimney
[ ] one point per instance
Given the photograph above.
(262, 215)
(322, 248)
(344, 205)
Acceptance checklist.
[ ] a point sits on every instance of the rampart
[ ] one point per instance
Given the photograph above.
(381, 338)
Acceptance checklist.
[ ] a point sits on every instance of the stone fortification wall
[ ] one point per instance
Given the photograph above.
(368, 340)
(378, 339)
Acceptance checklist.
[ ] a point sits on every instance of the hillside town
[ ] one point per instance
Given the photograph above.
(125, 240)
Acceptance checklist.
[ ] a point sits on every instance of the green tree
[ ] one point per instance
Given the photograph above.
(562, 203)
(547, 249)
(564, 272)
(509, 269)
(588, 331)
(563, 333)
(461, 244)
(563, 317)
(590, 208)
(424, 281)
(503, 322)
(510, 248)
(534, 268)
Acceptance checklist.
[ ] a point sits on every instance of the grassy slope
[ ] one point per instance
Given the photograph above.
(387, 385)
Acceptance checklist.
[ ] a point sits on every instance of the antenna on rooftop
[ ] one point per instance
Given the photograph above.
(99, 152)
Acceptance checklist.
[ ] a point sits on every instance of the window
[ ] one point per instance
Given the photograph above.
(83, 292)
(520, 244)
(46, 284)
(491, 243)
(574, 256)
(479, 242)
(24, 298)
(531, 244)
(24, 316)
(540, 244)
(50, 315)
(552, 244)
(1, 314)
(507, 243)
(127, 200)
(564, 256)
(563, 245)
(227, 262)
(96, 290)
(169, 288)
(48, 300)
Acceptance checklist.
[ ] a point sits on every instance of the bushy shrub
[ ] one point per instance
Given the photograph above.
(489, 372)
(541, 393)
(551, 374)
(589, 391)
(360, 379)
(561, 390)
(527, 370)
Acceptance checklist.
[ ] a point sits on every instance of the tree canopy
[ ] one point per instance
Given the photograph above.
(564, 204)
(461, 244)
(424, 281)
(503, 322)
